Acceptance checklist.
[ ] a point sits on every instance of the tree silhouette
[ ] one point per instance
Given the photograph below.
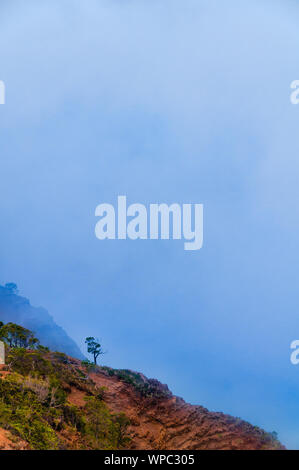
(94, 348)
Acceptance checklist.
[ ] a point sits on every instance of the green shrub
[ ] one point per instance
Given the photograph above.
(104, 430)
(34, 406)
(24, 415)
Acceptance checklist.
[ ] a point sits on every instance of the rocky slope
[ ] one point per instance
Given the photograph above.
(157, 419)
(164, 421)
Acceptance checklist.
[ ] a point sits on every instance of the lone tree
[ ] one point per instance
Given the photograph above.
(94, 348)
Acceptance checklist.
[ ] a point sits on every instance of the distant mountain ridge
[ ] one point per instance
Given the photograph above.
(17, 309)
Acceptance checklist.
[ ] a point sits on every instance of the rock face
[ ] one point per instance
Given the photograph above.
(16, 309)
(158, 420)
(161, 421)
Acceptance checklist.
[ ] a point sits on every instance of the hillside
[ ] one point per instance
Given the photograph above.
(17, 309)
(70, 405)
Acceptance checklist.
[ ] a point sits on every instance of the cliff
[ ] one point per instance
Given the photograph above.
(70, 405)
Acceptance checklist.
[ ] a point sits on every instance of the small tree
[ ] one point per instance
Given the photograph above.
(12, 288)
(121, 423)
(94, 348)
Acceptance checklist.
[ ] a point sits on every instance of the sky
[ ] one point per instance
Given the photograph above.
(161, 101)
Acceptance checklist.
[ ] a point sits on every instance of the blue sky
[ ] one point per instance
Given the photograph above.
(167, 101)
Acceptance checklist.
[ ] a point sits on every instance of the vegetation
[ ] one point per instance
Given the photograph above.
(145, 387)
(88, 365)
(37, 404)
(104, 430)
(34, 403)
(11, 288)
(17, 337)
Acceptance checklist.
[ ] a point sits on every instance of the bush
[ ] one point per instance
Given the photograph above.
(24, 415)
(104, 430)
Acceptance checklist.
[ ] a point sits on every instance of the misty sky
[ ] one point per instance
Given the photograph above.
(161, 101)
